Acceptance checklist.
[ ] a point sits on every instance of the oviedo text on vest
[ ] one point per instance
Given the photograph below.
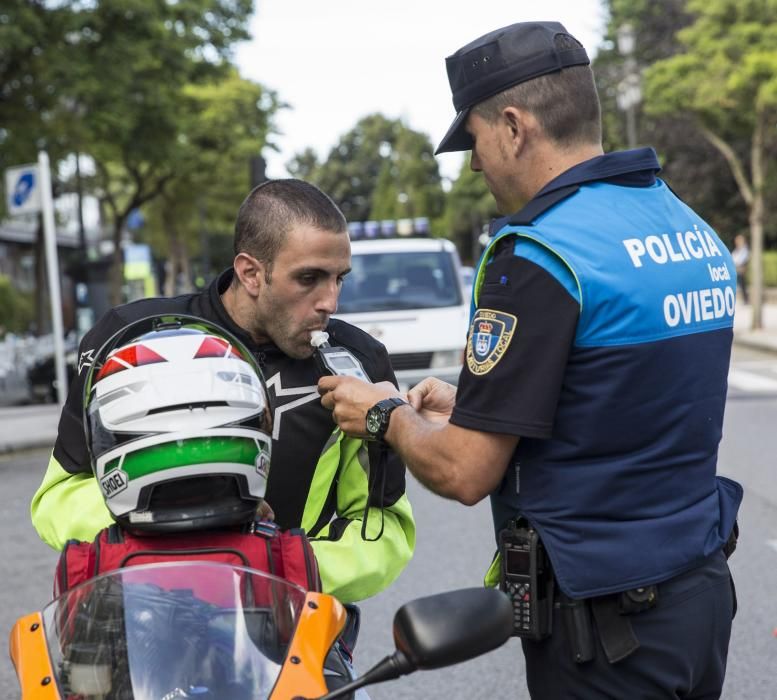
(696, 305)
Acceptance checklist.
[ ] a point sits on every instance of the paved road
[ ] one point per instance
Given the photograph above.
(454, 548)
(26, 563)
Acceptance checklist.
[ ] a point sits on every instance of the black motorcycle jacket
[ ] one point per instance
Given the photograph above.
(320, 479)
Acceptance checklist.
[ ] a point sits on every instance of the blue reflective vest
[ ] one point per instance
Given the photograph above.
(625, 492)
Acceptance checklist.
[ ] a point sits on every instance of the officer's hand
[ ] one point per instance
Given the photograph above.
(349, 399)
(434, 399)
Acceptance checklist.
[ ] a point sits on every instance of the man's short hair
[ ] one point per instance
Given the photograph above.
(270, 211)
(565, 104)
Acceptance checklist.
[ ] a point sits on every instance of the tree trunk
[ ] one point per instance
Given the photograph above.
(179, 273)
(184, 261)
(170, 274)
(116, 276)
(752, 193)
(179, 267)
(755, 267)
(172, 254)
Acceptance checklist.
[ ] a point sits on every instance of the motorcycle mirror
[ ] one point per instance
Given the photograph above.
(441, 630)
(448, 628)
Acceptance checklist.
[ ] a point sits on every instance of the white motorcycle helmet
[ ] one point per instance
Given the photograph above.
(178, 426)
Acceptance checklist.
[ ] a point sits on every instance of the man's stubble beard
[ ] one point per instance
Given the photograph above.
(274, 325)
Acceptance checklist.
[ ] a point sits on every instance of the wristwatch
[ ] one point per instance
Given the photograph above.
(378, 417)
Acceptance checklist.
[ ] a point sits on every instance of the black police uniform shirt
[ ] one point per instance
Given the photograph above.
(302, 426)
(619, 429)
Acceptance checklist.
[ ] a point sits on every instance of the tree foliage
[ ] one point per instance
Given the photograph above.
(691, 165)
(380, 169)
(725, 80)
(469, 207)
(727, 74)
(221, 125)
(32, 64)
(133, 116)
(109, 78)
(16, 308)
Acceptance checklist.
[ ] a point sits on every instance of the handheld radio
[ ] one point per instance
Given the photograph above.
(527, 577)
(336, 361)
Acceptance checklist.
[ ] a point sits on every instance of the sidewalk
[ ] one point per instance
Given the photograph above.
(28, 427)
(763, 339)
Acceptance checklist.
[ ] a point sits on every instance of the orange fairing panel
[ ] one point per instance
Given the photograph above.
(321, 621)
(31, 659)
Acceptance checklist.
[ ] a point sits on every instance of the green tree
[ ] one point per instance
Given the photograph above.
(16, 312)
(110, 84)
(726, 80)
(691, 165)
(304, 165)
(222, 124)
(147, 54)
(469, 207)
(379, 169)
(32, 58)
(409, 182)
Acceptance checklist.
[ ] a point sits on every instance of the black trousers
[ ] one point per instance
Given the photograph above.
(683, 645)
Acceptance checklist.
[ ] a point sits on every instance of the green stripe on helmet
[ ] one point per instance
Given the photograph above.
(190, 452)
(113, 464)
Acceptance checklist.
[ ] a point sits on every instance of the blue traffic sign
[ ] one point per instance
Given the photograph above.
(24, 186)
(23, 189)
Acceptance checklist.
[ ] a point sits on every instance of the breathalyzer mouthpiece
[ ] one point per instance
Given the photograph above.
(319, 339)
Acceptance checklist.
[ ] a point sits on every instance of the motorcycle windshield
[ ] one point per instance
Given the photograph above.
(166, 631)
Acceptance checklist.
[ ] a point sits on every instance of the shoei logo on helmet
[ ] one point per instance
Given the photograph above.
(217, 347)
(132, 356)
(113, 482)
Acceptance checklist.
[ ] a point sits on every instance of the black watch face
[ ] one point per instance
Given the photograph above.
(374, 420)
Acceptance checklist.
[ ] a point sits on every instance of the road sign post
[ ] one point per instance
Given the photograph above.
(52, 265)
(28, 191)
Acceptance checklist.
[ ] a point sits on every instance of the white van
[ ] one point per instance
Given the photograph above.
(407, 293)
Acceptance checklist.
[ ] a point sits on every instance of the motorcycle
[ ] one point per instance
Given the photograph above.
(207, 631)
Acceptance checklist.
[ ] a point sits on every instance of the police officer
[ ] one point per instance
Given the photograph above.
(591, 402)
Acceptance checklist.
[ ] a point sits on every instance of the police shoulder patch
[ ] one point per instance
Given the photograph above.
(489, 336)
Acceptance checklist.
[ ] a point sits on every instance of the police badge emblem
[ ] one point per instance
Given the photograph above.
(489, 336)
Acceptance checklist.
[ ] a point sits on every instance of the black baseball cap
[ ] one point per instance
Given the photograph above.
(500, 59)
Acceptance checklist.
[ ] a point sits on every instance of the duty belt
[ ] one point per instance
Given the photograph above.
(612, 616)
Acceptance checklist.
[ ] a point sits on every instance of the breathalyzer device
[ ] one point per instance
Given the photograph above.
(336, 361)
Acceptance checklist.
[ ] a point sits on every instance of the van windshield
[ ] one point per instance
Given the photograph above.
(386, 281)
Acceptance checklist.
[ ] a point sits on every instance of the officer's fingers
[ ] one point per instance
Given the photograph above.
(328, 383)
(327, 398)
(338, 391)
(333, 389)
(444, 395)
(350, 421)
(433, 394)
(417, 394)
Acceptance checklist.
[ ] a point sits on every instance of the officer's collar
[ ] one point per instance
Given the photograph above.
(635, 168)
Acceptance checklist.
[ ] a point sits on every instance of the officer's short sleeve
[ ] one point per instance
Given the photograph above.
(518, 343)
